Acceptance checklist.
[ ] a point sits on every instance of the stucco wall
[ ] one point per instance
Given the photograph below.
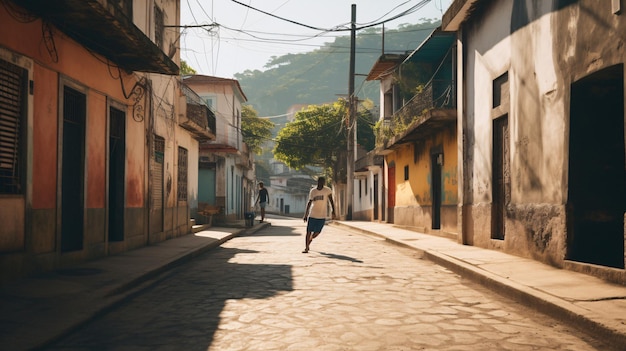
(34, 244)
(363, 201)
(414, 196)
(544, 46)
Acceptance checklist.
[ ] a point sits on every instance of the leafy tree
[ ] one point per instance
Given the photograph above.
(318, 137)
(185, 69)
(256, 131)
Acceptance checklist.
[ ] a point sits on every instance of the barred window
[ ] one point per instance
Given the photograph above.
(182, 174)
(13, 83)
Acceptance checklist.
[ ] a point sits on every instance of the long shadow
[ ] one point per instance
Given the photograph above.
(341, 257)
(182, 311)
(275, 230)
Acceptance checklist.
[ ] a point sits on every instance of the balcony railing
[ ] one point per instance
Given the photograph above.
(89, 21)
(198, 119)
(437, 94)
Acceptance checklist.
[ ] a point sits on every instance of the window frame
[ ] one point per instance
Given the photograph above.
(182, 181)
(26, 142)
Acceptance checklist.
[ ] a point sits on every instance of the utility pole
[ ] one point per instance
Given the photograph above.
(350, 158)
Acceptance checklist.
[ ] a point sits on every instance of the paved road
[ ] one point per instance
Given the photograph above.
(350, 292)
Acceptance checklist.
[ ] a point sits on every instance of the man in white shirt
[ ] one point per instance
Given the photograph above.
(317, 210)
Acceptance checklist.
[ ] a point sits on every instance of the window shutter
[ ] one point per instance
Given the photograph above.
(12, 107)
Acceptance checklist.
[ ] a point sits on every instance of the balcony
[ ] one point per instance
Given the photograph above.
(197, 118)
(371, 159)
(244, 159)
(104, 27)
(431, 109)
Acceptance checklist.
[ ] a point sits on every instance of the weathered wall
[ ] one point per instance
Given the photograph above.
(543, 46)
(33, 243)
(363, 205)
(414, 196)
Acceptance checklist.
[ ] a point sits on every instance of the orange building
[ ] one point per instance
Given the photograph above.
(89, 152)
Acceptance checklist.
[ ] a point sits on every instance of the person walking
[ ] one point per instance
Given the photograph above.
(316, 211)
(262, 199)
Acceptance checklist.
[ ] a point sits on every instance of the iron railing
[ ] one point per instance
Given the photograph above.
(197, 111)
(437, 94)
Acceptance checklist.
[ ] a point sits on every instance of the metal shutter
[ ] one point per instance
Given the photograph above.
(12, 95)
(157, 172)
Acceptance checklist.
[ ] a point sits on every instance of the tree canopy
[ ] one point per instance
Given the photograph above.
(318, 136)
(185, 69)
(256, 131)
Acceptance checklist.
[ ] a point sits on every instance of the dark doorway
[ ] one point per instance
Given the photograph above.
(117, 169)
(596, 181)
(391, 193)
(73, 169)
(375, 190)
(436, 164)
(501, 192)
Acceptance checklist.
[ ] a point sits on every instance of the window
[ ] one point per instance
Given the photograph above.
(360, 186)
(406, 172)
(209, 101)
(159, 23)
(182, 174)
(157, 172)
(13, 83)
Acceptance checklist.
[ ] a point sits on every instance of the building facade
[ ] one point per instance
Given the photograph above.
(226, 167)
(417, 136)
(93, 159)
(541, 124)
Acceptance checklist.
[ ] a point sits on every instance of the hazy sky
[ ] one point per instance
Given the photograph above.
(250, 32)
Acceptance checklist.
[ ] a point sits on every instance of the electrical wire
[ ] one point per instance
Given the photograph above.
(339, 27)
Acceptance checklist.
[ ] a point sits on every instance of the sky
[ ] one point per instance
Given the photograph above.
(225, 37)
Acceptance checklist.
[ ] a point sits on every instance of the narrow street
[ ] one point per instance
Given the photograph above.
(350, 292)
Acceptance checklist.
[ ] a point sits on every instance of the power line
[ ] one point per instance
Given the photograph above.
(338, 27)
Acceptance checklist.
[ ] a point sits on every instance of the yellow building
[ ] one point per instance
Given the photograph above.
(417, 134)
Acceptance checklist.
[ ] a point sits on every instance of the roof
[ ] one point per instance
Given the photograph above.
(202, 79)
(433, 48)
(457, 13)
(385, 65)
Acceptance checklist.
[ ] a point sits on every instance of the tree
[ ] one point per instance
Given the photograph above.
(256, 131)
(317, 137)
(185, 69)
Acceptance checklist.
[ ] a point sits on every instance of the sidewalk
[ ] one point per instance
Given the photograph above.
(580, 300)
(38, 310)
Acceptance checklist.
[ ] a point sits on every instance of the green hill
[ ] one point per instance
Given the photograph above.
(322, 75)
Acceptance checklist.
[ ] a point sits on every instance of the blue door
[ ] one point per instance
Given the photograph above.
(206, 186)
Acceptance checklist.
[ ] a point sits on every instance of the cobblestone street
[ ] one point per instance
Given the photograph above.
(350, 292)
